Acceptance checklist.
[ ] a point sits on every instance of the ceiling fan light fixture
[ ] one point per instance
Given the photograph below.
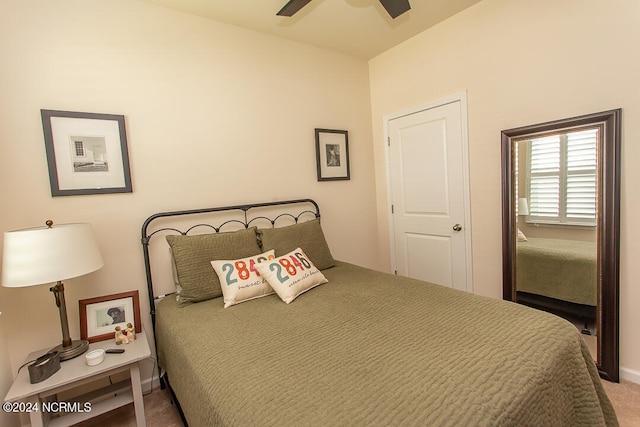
(292, 7)
(396, 8)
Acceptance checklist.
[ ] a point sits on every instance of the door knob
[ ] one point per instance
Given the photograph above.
(457, 227)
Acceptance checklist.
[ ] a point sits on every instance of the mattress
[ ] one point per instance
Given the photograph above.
(562, 269)
(373, 349)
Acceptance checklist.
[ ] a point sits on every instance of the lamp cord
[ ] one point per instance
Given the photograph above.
(153, 369)
(25, 364)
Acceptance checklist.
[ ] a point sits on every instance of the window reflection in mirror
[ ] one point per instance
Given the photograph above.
(556, 216)
(560, 178)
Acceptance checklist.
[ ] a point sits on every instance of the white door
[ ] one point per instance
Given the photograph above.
(429, 197)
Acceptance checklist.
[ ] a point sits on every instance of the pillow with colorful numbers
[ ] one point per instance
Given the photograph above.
(239, 279)
(291, 274)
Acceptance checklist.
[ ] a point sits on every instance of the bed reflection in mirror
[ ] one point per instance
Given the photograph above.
(560, 241)
(556, 213)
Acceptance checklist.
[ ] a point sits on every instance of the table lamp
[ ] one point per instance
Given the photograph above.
(50, 254)
(523, 206)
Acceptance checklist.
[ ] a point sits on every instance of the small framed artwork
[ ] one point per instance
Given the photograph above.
(332, 154)
(99, 316)
(86, 153)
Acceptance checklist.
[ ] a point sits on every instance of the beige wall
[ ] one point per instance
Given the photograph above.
(523, 62)
(7, 419)
(215, 115)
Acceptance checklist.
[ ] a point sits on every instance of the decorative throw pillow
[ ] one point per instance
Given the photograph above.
(306, 235)
(174, 273)
(193, 255)
(240, 280)
(290, 275)
(521, 236)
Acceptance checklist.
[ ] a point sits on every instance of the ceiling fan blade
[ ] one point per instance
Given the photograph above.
(292, 7)
(396, 8)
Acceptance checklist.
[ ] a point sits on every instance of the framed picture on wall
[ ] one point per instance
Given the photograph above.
(99, 316)
(86, 153)
(332, 154)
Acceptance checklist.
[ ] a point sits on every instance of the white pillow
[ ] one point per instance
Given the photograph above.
(239, 279)
(291, 274)
(521, 236)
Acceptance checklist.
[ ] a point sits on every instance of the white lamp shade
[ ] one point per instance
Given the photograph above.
(42, 255)
(523, 206)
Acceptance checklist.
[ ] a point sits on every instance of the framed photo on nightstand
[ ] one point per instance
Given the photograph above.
(99, 316)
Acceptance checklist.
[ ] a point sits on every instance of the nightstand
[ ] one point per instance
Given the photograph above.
(25, 396)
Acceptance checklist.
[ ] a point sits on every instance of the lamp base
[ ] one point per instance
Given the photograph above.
(76, 348)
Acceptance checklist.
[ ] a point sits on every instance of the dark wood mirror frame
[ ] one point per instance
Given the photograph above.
(608, 225)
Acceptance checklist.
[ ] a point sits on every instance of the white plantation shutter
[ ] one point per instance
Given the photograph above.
(581, 175)
(562, 178)
(544, 186)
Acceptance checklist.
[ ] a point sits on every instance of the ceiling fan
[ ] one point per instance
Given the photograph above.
(394, 8)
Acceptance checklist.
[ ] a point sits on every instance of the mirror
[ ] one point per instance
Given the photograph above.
(561, 225)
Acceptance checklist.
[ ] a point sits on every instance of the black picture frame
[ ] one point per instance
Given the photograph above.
(332, 154)
(86, 153)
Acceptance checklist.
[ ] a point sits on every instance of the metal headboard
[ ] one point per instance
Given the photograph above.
(247, 215)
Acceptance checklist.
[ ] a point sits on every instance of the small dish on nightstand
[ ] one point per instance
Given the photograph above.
(95, 357)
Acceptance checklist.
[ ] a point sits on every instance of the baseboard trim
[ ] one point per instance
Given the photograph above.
(150, 384)
(630, 375)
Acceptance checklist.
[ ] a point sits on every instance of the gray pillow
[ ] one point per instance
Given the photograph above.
(306, 235)
(193, 256)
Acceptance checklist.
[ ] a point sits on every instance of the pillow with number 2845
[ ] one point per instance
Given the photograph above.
(239, 279)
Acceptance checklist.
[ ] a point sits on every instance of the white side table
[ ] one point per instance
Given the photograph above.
(75, 372)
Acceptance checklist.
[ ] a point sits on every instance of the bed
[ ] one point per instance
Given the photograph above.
(559, 275)
(359, 348)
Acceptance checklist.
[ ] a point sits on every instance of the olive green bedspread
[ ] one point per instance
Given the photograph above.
(555, 268)
(372, 349)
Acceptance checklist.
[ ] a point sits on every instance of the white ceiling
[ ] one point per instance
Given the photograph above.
(356, 27)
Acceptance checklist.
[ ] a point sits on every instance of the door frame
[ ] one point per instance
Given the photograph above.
(456, 97)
